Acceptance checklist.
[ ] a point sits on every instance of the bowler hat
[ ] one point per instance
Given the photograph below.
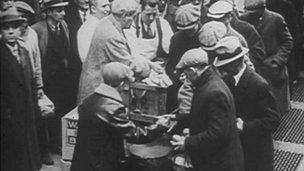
(187, 16)
(10, 15)
(228, 50)
(53, 4)
(192, 57)
(24, 7)
(219, 9)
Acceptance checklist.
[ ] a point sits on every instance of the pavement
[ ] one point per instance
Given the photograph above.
(288, 139)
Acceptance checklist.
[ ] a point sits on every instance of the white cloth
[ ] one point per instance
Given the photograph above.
(84, 36)
(147, 48)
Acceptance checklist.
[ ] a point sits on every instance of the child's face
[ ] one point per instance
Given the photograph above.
(10, 32)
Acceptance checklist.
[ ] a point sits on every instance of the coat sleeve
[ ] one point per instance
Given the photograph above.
(257, 48)
(117, 50)
(269, 118)
(217, 129)
(286, 42)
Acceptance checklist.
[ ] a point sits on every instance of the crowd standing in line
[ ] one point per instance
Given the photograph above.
(231, 62)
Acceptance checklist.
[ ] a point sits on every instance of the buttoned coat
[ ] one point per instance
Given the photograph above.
(255, 105)
(19, 145)
(213, 144)
(108, 45)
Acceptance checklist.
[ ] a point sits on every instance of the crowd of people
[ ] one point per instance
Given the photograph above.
(228, 66)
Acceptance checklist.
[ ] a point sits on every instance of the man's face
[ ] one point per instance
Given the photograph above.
(10, 32)
(149, 14)
(127, 19)
(57, 14)
(82, 4)
(191, 73)
(102, 9)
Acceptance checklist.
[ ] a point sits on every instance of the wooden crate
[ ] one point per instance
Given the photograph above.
(145, 99)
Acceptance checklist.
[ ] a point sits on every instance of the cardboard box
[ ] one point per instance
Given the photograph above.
(69, 133)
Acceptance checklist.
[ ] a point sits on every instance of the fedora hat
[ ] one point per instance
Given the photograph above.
(53, 4)
(24, 7)
(228, 50)
(10, 15)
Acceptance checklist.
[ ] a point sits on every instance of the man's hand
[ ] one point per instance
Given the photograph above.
(156, 66)
(239, 124)
(178, 142)
(164, 120)
(46, 106)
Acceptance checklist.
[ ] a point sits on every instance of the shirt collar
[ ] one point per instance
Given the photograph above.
(238, 76)
(54, 27)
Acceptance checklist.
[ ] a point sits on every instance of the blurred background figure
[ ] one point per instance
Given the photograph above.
(99, 9)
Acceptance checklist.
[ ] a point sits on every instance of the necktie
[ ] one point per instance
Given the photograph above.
(149, 32)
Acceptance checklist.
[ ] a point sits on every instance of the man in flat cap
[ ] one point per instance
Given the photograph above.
(257, 116)
(54, 46)
(103, 125)
(188, 24)
(109, 44)
(278, 44)
(254, 40)
(213, 144)
(19, 145)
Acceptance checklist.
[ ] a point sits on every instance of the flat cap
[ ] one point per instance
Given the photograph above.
(108, 92)
(219, 9)
(210, 33)
(23, 7)
(187, 16)
(115, 73)
(124, 6)
(53, 4)
(228, 49)
(254, 4)
(192, 57)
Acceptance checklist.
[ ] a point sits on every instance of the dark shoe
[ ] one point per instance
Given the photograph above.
(46, 159)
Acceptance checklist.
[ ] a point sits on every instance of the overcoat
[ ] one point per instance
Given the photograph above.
(19, 145)
(255, 105)
(108, 45)
(214, 143)
(278, 44)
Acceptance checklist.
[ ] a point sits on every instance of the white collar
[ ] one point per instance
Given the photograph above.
(238, 76)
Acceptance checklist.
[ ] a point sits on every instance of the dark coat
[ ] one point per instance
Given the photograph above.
(255, 105)
(74, 22)
(19, 145)
(278, 44)
(254, 40)
(99, 146)
(214, 144)
(180, 43)
(55, 73)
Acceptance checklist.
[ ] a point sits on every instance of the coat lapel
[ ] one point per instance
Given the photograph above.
(12, 62)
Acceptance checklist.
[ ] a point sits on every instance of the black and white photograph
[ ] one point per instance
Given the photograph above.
(152, 85)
